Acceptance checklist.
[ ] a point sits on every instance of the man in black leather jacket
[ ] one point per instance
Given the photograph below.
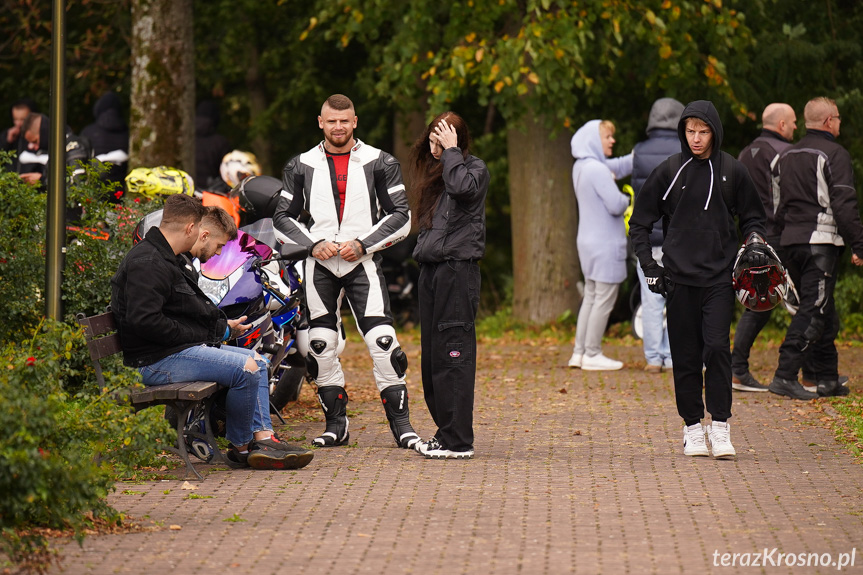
(171, 331)
(817, 216)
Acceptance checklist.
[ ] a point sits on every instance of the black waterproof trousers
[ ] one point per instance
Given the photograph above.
(449, 299)
(699, 326)
(749, 326)
(813, 330)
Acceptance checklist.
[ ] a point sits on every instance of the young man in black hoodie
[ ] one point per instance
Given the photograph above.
(689, 192)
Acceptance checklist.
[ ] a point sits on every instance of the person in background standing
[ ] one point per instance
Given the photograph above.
(210, 145)
(778, 122)
(661, 142)
(817, 216)
(109, 138)
(601, 238)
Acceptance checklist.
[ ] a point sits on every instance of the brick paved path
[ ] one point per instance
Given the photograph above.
(575, 472)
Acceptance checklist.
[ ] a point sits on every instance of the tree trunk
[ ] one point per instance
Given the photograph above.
(544, 223)
(408, 126)
(162, 119)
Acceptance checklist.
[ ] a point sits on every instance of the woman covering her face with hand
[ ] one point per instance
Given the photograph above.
(451, 186)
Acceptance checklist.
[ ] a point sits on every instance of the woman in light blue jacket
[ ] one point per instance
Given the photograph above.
(601, 238)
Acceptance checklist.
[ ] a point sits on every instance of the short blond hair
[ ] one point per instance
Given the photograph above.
(607, 125)
(817, 110)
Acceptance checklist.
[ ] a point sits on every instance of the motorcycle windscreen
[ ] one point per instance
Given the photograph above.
(234, 255)
(263, 231)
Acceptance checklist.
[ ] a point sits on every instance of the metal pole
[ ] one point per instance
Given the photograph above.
(56, 209)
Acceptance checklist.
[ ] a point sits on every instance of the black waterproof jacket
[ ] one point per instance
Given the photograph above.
(760, 158)
(210, 146)
(818, 202)
(700, 233)
(458, 224)
(646, 155)
(109, 133)
(158, 307)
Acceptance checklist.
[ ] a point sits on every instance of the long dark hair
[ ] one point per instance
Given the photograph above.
(427, 173)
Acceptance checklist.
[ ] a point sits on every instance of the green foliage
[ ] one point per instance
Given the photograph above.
(552, 55)
(272, 79)
(849, 294)
(58, 463)
(97, 54)
(90, 260)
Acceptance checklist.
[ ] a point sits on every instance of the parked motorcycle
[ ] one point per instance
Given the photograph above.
(250, 279)
(402, 276)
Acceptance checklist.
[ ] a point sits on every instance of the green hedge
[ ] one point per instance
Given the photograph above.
(64, 441)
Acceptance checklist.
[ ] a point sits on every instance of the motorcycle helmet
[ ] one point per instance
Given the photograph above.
(257, 197)
(159, 181)
(761, 287)
(238, 165)
(151, 220)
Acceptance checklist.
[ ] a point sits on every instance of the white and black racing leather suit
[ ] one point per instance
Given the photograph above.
(375, 213)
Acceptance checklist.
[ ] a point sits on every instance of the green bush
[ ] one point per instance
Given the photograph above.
(90, 260)
(63, 440)
(59, 461)
(849, 294)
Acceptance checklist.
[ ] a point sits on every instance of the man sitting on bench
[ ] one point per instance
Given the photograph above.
(171, 331)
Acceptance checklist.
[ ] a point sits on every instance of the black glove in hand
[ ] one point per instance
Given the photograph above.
(757, 258)
(655, 276)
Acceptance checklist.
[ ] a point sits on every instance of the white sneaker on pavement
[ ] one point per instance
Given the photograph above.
(719, 435)
(442, 453)
(575, 360)
(693, 441)
(422, 447)
(599, 362)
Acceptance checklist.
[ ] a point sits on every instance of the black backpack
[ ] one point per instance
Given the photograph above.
(726, 172)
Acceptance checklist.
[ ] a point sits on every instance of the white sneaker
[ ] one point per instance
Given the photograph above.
(422, 447)
(599, 362)
(575, 360)
(693, 441)
(719, 435)
(442, 453)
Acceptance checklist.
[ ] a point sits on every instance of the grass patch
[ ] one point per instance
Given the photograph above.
(849, 429)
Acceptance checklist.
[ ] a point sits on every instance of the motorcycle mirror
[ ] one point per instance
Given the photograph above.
(293, 252)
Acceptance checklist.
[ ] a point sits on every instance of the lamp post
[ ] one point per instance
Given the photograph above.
(56, 209)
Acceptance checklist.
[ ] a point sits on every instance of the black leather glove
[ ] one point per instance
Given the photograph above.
(756, 252)
(757, 258)
(655, 276)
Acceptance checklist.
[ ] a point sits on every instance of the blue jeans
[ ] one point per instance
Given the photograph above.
(654, 333)
(248, 402)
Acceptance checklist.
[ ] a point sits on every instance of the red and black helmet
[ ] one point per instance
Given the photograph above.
(760, 280)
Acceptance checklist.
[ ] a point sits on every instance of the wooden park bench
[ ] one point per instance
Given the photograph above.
(185, 398)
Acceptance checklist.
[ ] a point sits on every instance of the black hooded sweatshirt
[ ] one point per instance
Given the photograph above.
(109, 133)
(700, 233)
